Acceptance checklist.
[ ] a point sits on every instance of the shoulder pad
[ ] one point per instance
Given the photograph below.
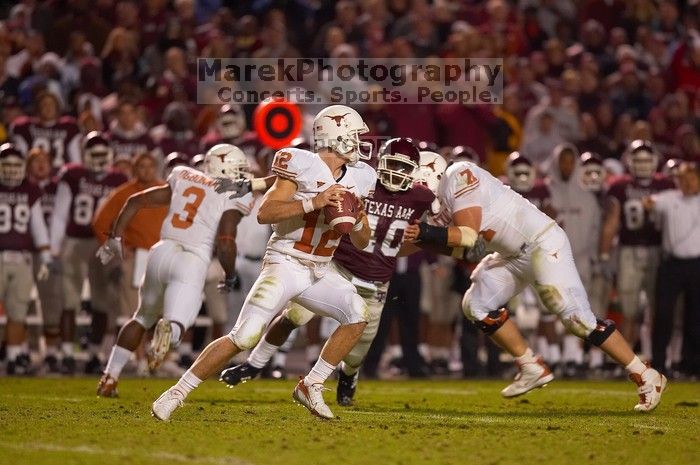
(291, 162)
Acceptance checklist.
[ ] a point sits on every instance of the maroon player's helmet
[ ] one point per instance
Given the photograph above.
(12, 165)
(231, 122)
(521, 173)
(398, 163)
(463, 153)
(641, 159)
(300, 143)
(592, 171)
(197, 162)
(97, 153)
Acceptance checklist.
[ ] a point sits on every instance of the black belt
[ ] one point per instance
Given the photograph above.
(253, 258)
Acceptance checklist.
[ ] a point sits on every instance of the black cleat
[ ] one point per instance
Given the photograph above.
(239, 374)
(21, 366)
(52, 364)
(68, 365)
(93, 366)
(346, 388)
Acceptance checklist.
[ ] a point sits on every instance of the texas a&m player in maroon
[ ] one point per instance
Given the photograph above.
(22, 229)
(81, 188)
(57, 135)
(637, 230)
(395, 203)
(50, 290)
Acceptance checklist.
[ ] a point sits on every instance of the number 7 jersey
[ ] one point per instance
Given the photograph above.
(310, 237)
(196, 209)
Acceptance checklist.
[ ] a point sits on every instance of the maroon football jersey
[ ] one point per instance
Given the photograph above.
(388, 214)
(48, 196)
(88, 189)
(638, 226)
(539, 195)
(130, 145)
(61, 140)
(15, 207)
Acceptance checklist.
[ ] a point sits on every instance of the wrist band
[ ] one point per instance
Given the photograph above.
(307, 205)
(258, 184)
(358, 226)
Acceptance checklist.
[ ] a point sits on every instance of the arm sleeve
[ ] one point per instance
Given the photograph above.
(59, 218)
(40, 232)
(465, 191)
(105, 215)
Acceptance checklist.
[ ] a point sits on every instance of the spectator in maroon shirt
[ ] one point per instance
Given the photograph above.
(152, 19)
(606, 12)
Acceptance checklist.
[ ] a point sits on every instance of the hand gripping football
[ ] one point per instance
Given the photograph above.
(342, 218)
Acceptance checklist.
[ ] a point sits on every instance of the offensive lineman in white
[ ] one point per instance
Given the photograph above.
(296, 265)
(530, 249)
(198, 218)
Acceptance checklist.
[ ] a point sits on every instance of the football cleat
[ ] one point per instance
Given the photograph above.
(160, 344)
(311, 397)
(21, 366)
(239, 374)
(531, 375)
(650, 385)
(107, 387)
(52, 364)
(166, 404)
(346, 388)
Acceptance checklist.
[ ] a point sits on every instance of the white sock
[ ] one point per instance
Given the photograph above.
(396, 352)
(117, 359)
(262, 353)
(636, 366)
(319, 373)
(543, 348)
(187, 383)
(13, 352)
(279, 359)
(573, 352)
(348, 370)
(185, 348)
(554, 353)
(313, 351)
(67, 349)
(527, 357)
(424, 351)
(175, 334)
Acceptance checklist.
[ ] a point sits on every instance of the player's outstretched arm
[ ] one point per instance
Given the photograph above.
(240, 187)
(279, 205)
(226, 248)
(158, 196)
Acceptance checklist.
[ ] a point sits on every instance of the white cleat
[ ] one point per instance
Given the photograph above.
(651, 384)
(160, 344)
(311, 397)
(532, 375)
(166, 404)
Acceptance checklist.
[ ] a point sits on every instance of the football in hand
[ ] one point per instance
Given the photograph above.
(342, 218)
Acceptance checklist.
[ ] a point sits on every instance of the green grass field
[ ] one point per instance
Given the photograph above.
(60, 421)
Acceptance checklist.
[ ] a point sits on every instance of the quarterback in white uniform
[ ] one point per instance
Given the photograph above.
(198, 219)
(530, 249)
(297, 261)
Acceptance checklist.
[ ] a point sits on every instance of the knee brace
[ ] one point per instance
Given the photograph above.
(493, 321)
(601, 333)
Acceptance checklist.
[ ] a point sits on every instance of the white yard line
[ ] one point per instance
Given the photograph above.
(41, 397)
(126, 453)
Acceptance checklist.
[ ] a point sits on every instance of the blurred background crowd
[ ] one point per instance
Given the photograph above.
(583, 81)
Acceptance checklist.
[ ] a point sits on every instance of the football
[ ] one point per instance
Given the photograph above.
(342, 218)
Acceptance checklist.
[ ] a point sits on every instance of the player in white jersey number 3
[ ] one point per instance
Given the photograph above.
(198, 218)
(529, 249)
(297, 260)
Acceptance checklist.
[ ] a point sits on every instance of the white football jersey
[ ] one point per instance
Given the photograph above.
(310, 237)
(196, 209)
(508, 220)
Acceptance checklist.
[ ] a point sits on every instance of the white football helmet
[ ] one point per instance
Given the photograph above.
(97, 153)
(338, 128)
(432, 167)
(12, 166)
(641, 159)
(521, 174)
(592, 172)
(226, 160)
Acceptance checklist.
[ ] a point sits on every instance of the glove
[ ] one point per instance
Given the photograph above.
(109, 249)
(55, 265)
(229, 284)
(45, 267)
(237, 187)
(476, 252)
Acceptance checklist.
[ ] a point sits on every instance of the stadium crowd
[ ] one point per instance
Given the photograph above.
(99, 99)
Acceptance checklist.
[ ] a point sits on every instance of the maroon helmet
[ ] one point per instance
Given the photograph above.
(97, 153)
(197, 161)
(521, 173)
(399, 159)
(464, 153)
(300, 143)
(12, 165)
